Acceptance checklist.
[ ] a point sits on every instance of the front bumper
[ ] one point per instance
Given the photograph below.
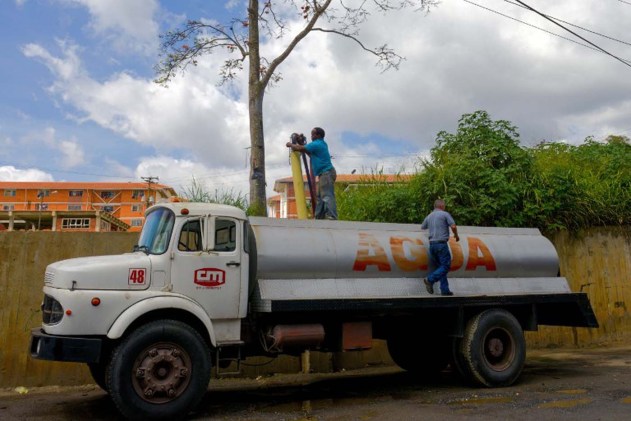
(65, 348)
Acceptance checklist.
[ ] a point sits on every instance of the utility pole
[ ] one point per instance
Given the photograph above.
(150, 180)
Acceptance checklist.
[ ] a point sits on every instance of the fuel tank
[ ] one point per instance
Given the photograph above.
(308, 249)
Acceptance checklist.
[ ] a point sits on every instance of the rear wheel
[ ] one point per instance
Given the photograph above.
(161, 370)
(493, 349)
(458, 362)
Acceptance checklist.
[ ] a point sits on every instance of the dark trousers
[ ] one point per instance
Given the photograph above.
(326, 208)
(441, 258)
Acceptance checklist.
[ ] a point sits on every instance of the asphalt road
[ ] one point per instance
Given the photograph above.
(584, 384)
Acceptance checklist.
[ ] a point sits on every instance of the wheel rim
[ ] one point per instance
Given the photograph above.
(499, 349)
(161, 372)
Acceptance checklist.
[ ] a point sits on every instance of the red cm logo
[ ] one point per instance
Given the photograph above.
(210, 277)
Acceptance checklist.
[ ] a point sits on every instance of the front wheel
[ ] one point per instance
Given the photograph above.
(493, 349)
(161, 370)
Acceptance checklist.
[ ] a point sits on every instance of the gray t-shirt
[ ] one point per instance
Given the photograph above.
(438, 223)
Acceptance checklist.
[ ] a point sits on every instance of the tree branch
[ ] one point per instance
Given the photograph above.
(317, 10)
(387, 57)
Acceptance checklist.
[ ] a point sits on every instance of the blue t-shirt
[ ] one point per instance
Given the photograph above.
(438, 223)
(320, 156)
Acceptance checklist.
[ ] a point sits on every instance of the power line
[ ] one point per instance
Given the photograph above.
(626, 63)
(622, 1)
(596, 48)
(574, 25)
(529, 24)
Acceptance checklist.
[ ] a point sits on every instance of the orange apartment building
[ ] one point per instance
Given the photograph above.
(283, 205)
(77, 206)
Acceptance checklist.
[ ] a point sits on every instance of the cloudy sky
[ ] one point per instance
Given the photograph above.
(78, 101)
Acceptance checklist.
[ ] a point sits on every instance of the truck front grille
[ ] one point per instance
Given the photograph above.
(49, 277)
(52, 311)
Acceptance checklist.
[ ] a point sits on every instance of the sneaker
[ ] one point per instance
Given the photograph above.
(447, 294)
(428, 286)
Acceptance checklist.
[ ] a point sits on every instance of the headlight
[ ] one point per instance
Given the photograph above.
(52, 311)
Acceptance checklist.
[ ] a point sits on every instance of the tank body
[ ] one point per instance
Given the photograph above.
(307, 249)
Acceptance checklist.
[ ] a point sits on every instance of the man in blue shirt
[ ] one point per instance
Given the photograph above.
(322, 168)
(438, 222)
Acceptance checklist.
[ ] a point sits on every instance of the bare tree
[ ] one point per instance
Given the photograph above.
(183, 47)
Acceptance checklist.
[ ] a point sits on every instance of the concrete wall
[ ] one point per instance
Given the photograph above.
(24, 256)
(598, 261)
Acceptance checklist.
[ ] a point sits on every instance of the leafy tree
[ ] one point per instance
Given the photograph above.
(587, 185)
(242, 36)
(481, 172)
(618, 139)
(376, 200)
(487, 178)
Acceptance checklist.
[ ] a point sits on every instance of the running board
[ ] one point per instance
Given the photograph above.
(233, 349)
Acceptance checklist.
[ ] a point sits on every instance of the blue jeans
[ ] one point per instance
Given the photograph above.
(441, 259)
(326, 207)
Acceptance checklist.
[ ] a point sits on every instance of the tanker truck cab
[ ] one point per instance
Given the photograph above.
(207, 286)
(208, 262)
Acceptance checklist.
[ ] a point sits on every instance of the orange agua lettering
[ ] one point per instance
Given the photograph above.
(370, 253)
(457, 258)
(479, 255)
(418, 254)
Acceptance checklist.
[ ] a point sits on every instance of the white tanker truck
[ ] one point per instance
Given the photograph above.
(206, 286)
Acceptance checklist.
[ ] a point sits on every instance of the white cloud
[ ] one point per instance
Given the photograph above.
(179, 173)
(129, 25)
(120, 170)
(67, 153)
(65, 68)
(459, 59)
(72, 153)
(10, 173)
(190, 114)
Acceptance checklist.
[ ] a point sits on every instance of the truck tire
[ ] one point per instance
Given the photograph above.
(426, 358)
(458, 362)
(161, 370)
(493, 348)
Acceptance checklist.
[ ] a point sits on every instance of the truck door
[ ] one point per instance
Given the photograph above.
(212, 277)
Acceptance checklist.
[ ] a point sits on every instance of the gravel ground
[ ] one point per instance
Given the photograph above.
(559, 384)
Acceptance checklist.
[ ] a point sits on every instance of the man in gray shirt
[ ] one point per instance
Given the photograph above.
(438, 222)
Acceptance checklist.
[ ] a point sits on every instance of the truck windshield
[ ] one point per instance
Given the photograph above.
(156, 232)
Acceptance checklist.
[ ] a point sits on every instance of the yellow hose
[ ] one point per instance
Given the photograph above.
(299, 185)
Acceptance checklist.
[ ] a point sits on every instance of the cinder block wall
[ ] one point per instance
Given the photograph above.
(596, 261)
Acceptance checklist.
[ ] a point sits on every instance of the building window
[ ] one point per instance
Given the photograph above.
(75, 223)
(136, 222)
(109, 209)
(136, 208)
(74, 207)
(43, 193)
(8, 207)
(107, 194)
(136, 194)
(9, 193)
(75, 193)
